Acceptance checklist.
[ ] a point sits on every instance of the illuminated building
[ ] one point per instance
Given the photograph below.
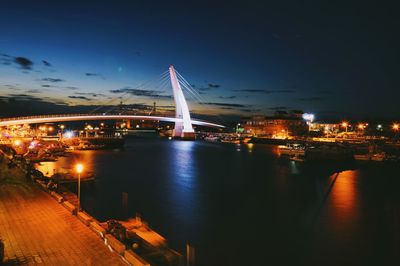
(281, 125)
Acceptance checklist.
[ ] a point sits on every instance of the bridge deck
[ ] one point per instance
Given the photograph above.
(86, 117)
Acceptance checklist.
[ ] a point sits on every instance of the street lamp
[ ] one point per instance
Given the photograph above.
(395, 127)
(79, 170)
(345, 125)
(62, 131)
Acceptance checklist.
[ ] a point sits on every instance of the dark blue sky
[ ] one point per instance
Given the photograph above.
(244, 58)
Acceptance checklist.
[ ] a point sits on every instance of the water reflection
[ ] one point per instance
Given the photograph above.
(48, 168)
(67, 164)
(294, 170)
(183, 173)
(250, 147)
(343, 199)
(247, 203)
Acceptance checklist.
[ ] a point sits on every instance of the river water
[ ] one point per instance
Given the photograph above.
(242, 205)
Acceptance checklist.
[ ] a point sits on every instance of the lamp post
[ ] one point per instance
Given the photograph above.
(396, 128)
(345, 125)
(62, 131)
(79, 170)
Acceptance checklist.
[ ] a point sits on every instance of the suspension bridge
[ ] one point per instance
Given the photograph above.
(183, 122)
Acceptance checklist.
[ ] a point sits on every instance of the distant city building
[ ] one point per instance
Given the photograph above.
(281, 125)
(324, 127)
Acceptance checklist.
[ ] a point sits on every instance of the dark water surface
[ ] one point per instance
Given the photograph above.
(241, 205)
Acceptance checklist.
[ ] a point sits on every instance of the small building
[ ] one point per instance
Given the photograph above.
(325, 128)
(280, 125)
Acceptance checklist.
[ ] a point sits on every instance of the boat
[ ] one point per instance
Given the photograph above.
(329, 152)
(378, 157)
(211, 138)
(297, 157)
(362, 157)
(245, 140)
(291, 150)
(229, 140)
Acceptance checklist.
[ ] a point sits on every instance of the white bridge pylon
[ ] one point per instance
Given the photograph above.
(183, 127)
(183, 122)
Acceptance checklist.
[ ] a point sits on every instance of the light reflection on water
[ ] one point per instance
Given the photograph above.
(67, 164)
(343, 197)
(183, 173)
(221, 197)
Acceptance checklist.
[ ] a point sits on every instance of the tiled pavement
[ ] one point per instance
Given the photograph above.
(38, 230)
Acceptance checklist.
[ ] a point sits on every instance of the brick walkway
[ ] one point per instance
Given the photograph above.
(38, 230)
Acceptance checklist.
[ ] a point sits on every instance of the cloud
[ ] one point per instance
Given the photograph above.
(46, 63)
(311, 99)
(278, 108)
(324, 92)
(80, 98)
(90, 94)
(247, 110)
(23, 62)
(92, 74)
(265, 91)
(46, 86)
(71, 88)
(11, 86)
(227, 97)
(22, 96)
(5, 55)
(5, 59)
(52, 80)
(211, 85)
(22, 105)
(33, 91)
(144, 93)
(208, 87)
(227, 104)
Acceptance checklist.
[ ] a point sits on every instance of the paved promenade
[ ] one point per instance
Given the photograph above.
(38, 230)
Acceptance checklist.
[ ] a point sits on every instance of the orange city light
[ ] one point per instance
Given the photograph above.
(396, 126)
(79, 168)
(361, 126)
(344, 124)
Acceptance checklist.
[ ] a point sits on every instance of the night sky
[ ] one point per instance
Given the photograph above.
(337, 61)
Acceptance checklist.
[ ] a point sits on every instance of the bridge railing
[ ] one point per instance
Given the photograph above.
(48, 116)
(68, 115)
(22, 118)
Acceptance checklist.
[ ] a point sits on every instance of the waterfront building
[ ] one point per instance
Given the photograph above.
(280, 125)
(325, 127)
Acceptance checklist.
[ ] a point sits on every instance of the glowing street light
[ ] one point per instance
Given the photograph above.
(79, 170)
(362, 126)
(396, 127)
(345, 125)
(17, 142)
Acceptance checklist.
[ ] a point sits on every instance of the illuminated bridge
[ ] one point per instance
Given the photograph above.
(183, 122)
(87, 117)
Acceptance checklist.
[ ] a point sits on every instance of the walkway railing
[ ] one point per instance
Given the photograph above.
(21, 119)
